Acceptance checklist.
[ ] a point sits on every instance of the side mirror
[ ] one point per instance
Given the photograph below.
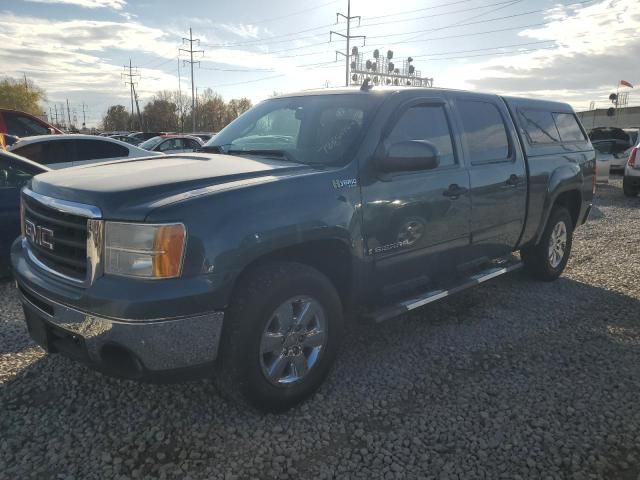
(410, 155)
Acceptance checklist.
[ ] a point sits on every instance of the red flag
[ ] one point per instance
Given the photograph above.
(625, 83)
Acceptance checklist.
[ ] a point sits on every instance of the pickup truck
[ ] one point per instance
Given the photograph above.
(239, 263)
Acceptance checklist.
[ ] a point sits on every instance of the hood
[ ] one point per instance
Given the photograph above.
(129, 189)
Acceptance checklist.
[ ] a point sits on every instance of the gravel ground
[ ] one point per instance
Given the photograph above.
(513, 379)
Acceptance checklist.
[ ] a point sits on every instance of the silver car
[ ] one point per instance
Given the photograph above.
(631, 180)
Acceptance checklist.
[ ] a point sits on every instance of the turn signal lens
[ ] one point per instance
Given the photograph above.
(169, 245)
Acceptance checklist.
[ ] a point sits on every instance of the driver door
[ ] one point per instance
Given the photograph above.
(417, 222)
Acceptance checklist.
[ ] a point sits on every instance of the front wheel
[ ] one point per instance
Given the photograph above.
(548, 259)
(281, 336)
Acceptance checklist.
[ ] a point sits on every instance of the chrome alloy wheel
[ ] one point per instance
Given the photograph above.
(557, 244)
(292, 340)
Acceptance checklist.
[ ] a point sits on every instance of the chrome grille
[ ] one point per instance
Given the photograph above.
(66, 225)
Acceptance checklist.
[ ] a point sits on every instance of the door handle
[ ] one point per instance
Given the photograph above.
(454, 191)
(513, 180)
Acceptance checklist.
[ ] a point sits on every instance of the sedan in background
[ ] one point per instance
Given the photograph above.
(126, 139)
(631, 180)
(204, 136)
(15, 173)
(620, 141)
(60, 151)
(173, 144)
(143, 136)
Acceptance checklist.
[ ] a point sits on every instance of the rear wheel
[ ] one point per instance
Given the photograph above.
(281, 336)
(548, 259)
(627, 189)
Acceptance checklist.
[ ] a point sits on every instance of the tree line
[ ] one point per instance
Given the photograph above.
(169, 111)
(21, 94)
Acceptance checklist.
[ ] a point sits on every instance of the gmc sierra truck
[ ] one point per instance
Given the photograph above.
(239, 262)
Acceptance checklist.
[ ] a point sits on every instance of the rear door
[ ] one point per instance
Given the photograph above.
(497, 173)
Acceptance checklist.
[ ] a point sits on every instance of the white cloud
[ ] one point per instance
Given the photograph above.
(240, 29)
(594, 49)
(115, 4)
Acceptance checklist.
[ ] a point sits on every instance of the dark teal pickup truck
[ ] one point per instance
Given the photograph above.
(239, 262)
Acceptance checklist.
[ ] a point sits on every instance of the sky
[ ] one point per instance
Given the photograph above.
(574, 51)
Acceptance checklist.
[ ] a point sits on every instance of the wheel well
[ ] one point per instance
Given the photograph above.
(330, 257)
(571, 201)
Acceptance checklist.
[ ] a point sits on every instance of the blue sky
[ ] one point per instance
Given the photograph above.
(76, 49)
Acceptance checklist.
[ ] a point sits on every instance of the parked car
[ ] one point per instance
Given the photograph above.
(172, 144)
(631, 179)
(239, 265)
(15, 173)
(23, 124)
(75, 149)
(126, 139)
(604, 159)
(144, 136)
(204, 136)
(620, 141)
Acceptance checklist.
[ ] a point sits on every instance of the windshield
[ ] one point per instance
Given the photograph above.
(314, 129)
(149, 144)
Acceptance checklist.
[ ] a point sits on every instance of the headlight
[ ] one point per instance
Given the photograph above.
(144, 250)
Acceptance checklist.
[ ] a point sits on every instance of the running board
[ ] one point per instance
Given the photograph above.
(392, 311)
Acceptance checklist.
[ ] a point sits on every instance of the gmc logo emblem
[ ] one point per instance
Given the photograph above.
(38, 235)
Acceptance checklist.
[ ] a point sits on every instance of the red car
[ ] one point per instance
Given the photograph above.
(22, 124)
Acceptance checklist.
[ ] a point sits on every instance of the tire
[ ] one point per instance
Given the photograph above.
(538, 260)
(627, 189)
(259, 336)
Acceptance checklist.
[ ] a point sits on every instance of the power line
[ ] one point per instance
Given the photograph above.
(299, 12)
(347, 37)
(237, 69)
(191, 51)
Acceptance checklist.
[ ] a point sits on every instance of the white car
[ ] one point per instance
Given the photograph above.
(631, 180)
(61, 151)
(172, 143)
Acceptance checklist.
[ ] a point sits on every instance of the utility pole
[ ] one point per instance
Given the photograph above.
(129, 81)
(84, 117)
(69, 113)
(135, 95)
(191, 51)
(180, 105)
(26, 84)
(348, 37)
(56, 109)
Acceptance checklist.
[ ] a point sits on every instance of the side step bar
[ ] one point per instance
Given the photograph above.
(392, 311)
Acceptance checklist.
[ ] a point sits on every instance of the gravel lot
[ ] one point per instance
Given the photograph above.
(514, 379)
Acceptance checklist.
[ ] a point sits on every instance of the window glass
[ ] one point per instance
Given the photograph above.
(191, 144)
(13, 177)
(22, 126)
(538, 126)
(428, 123)
(170, 144)
(48, 152)
(568, 127)
(95, 149)
(311, 129)
(484, 132)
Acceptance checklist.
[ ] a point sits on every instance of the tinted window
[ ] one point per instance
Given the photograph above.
(22, 126)
(95, 149)
(538, 126)
(426, 122)
(484, 133)
(48, 152)
(13, 177)
(568, 127)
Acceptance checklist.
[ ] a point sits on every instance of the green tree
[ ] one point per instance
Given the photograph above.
(116, 118)
(21, 95)
(161, 113)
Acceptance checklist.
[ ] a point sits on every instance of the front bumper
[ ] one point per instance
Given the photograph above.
(178, 347)
(148, 331)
